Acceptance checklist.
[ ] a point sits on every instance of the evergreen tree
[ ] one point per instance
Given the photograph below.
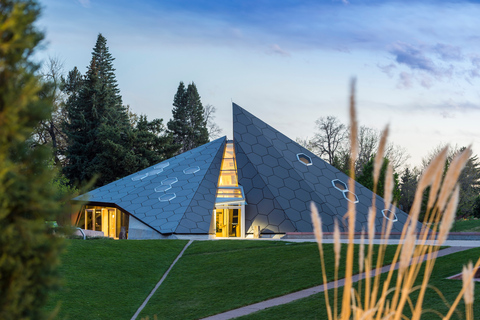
(152, 143)
(188, 124)
(476, 207)
(342, 162)
(178, 124)
(29, 253)
(468, 181)
(366, 179)
(99, 133)
(408, 186)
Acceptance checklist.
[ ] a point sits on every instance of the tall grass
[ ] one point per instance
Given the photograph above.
(393, 297)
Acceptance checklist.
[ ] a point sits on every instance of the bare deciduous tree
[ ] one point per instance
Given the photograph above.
(330, 135)
(368, 142)
(50, 130)
(306, 143)
(214, 130)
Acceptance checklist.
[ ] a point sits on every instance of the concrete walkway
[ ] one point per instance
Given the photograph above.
(455, 247)
(448, 243)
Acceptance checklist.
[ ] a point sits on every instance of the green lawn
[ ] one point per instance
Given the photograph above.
(466, 226)
(107, 279)
(216, 276)
(314, 307)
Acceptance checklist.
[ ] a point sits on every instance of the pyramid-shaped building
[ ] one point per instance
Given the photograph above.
(260, 180)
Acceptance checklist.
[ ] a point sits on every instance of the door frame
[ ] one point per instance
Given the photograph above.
(241, 208)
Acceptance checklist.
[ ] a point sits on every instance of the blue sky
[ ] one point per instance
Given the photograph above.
(417, 63)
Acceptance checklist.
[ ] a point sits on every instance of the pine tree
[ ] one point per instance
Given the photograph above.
(366, 179)
(152, 143)
(408, 185)
(99, 133)
(188, 124)
(29, 253)
(198, 125)
(178, 124)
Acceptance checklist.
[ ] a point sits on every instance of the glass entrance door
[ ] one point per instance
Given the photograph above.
(112, 222)
(228, 222)
(112, 230)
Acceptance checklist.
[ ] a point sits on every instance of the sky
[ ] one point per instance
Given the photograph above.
(289, 62)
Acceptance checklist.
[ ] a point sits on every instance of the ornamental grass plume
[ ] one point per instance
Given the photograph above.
(387, 297)
(468, 285)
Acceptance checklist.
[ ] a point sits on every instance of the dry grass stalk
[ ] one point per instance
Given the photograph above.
(382, 299)
(407, 252)
(448, 217)
(469, 285)
(379, 158)
(337, 245)
(317, 224)
(437, 179)
(353, 124)
(428, 177)
(371, 225)
(361, 252)
(388, 187)
(460, 295)
(346, 306)
(317, 230)
(391, 219)
(452, 175)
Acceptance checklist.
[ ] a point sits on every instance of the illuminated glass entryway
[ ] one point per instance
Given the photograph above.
(111, 221)
(228, 222)
(230, 200)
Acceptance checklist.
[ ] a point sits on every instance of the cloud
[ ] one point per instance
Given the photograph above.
(405, 80)
(388, 69)
(447, 108)
(427, 64)
(425, 81)
(412, 57)
(275, 49)
(474, 72)
(447, 115)
(448, 52)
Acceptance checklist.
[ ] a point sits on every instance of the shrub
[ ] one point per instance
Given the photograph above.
(29, 252)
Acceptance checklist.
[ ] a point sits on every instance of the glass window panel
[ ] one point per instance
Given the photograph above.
(88, 219)
(229, 151)
(228, 178)
(228, 171)
(98, 220)
(229, 193)
(228, 164)
(81, 220)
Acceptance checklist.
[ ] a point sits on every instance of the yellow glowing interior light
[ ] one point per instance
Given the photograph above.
(229, 150)
(228, 170)
(228, 164)
(229, 193)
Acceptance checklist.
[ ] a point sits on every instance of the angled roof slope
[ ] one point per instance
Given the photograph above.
(268, 164)
(176, 195)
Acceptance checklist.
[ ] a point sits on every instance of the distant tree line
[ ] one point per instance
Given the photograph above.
(95, 136)
(331, 142)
